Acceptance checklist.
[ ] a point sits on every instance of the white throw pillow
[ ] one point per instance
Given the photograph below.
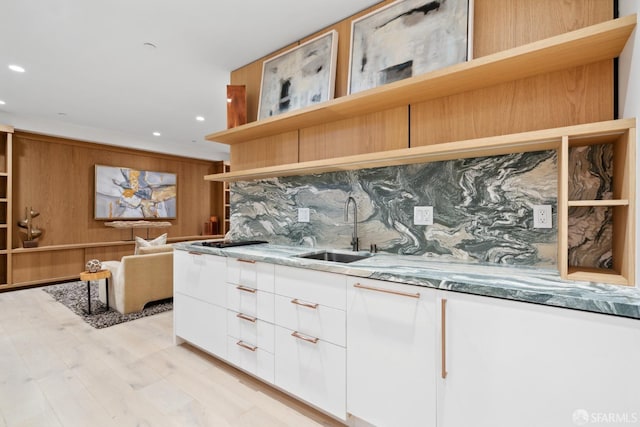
(141, 243)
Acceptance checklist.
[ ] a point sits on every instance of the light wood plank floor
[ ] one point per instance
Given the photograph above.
(55, 370)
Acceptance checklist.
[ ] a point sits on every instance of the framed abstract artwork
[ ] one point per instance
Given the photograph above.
(408, 38)
(299, 77)
(126, 193)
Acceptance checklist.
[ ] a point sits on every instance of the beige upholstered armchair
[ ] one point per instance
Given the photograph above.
(139, 279)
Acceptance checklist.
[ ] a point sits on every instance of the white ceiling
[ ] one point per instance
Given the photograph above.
(90, 76)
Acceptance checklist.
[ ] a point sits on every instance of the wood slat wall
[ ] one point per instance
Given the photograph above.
(56, 177)
(574, 96)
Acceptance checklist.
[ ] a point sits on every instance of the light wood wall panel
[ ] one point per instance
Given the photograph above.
(498, 25)
(386, 130)
(263, 152)
(568, 97)
(504, 24)
(56, 177)
(51, 266)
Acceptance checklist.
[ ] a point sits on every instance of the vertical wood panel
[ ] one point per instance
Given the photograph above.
(563, 207)
(386, 130)
(624, 186)
(263, 152)
(504, 24)
(46, 265)
(106, 253)
(563, 98)
(56, 177)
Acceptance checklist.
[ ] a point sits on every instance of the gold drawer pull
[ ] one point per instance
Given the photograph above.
(387, 291)
(304, 338)
(245, 289)
(296, 301)
(247, 346)
(245, 317)
(248, 261)
(194, 253)
(443, 332)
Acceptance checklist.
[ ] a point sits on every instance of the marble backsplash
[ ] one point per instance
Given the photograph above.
(482, 209)
(591, 228)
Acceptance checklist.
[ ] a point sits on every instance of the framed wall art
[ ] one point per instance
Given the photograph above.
(408, 38)
(299, 77)
(126, 193)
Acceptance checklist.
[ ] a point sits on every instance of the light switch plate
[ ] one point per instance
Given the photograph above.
(542, 216)
(423, 215)
(303, 214)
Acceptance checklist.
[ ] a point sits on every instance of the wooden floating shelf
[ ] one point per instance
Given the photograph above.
(584, 46)
(548, 139)
(602, 275)
(598, 203)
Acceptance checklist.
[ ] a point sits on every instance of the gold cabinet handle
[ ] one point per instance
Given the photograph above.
(298, 335)
(245, 289)
(245, 317)
(296, 301)
(247, 346)
(387, 291)
(194, 253)
(443, 334)
(248, 261)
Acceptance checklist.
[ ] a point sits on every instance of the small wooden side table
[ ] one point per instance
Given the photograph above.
(87, 276)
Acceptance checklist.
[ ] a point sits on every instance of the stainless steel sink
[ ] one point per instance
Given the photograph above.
(342, 257)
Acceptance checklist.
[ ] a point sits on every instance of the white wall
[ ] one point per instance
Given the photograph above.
(629, 95)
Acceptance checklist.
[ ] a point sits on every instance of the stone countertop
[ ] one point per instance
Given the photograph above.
(516, 283)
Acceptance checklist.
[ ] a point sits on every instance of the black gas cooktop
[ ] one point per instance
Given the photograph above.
(231, 243)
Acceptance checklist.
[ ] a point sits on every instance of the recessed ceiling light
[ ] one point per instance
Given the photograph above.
(200, 118)
(2, 102)
(157, 134)
(16, 68)
(149, 45)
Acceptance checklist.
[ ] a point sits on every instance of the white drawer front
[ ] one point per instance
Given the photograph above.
(251, 358)
(250, 301)
(198, 275)
(200, 323)
(250, 329)
(313, 372)
(311, 318)
(328, 289)
(252, 274)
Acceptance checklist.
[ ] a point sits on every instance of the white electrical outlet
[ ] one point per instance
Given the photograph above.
(423, 215)
(542, 216)
(303, 214)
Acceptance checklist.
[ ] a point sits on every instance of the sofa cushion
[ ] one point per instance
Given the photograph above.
(154, 249)
(141, 243)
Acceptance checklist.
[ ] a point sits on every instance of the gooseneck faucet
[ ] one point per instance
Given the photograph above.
(354, 238)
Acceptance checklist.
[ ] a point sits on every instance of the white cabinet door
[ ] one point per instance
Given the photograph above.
(511, 363)
(312, 371)
(200, 276)
(391, 346)
(251, 330)
(250, 301)
(311, 318)
(257, 275)
(201, 323)
(250, 358)
(327, 289)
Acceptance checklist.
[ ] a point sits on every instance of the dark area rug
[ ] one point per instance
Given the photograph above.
(73, 295)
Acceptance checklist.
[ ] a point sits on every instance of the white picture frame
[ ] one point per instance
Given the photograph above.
(407, 38)
(299, 77)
